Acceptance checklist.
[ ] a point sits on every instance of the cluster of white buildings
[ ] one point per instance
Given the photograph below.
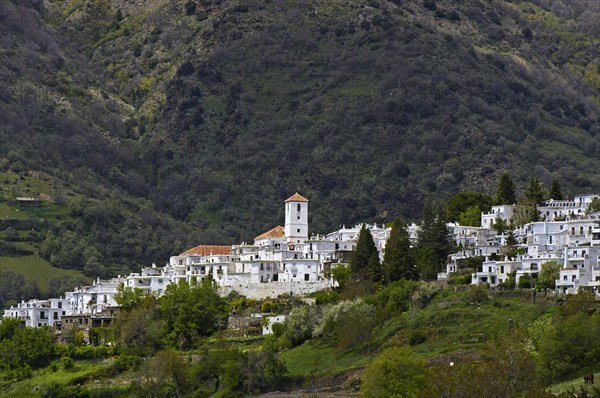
(286, 260)
(282, 260)
(568, 235)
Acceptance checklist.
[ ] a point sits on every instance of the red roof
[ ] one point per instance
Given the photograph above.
(296, 198)
(277, 232)
(207, 249)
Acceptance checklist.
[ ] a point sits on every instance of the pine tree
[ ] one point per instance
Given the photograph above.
(399, 257)
(506, 190)
(534, 193)
(434, 243)
(374, 269)
(365, 249)
(555, 191)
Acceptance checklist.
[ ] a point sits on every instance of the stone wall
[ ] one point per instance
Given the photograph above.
(274, 289)
(244, 322)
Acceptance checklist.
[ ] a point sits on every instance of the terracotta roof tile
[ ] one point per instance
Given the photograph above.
(296, 198)
(277, 232)
(207, 249)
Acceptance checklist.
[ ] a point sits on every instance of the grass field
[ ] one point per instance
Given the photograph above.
(34, 268)
(319, 360)
(574, 384)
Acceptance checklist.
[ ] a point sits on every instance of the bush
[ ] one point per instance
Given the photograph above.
(477, 294)
(347, 323)
(396, 372)
(67, 363)
(127, 362)
(430, 5)
(326, 297)
(267, 306)
(417, 337)
(299, 325)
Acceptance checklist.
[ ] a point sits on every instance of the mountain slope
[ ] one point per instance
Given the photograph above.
(194, 120)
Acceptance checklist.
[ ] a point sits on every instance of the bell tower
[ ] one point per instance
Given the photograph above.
(296, 218)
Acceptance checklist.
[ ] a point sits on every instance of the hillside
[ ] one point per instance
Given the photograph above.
(164, 124)
(463, 339)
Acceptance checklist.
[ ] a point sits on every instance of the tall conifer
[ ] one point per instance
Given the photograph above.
(555, 191)
(362, 256)
(399, 257)
(506, 191)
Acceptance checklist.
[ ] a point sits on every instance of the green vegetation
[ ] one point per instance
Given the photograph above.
(465, 342)
(38, 270)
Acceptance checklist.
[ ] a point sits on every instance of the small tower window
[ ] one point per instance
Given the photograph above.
(298, 206)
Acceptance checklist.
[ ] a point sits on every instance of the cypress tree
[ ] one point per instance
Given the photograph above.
(374, 268)
(555, 191)
(365, 249)
(534, 192)
(506, 191)
(434, 243)
(399, 257)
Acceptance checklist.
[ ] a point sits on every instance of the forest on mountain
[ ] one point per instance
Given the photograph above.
(163, 124)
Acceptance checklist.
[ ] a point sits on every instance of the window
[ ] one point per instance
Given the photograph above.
(298, 207)
(160, 281)
(306, 277)
(55, 315)
(298, 230)
(60, 304)
(275, 277)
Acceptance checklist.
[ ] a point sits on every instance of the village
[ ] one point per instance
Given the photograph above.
(287, 261)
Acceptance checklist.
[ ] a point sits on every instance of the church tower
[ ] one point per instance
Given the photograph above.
(296, 218)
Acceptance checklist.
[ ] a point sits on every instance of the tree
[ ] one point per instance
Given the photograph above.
(341, 274)
(525, 281)
(460, 202)
(555, 191)
(427, 263)
(128, 297)
(534, 192)
(260, 369)
(191, 312)
(363, 255)
(15, 287)
(506, 190)
(396, 372)
(299, 325)
(399, 257)
(500, 225)
(139, 329)
(434, 243)
(594, 206)
(549, 273)
(471, 216)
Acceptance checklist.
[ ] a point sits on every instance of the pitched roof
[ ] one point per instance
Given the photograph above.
(277, 232)
(296, 198)
(207, 249)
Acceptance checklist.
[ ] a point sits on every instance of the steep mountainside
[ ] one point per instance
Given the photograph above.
(171, 123)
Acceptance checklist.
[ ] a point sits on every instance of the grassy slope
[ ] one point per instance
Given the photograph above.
(45, 376)
(15, 185)
(453, 327)
(35, 268)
